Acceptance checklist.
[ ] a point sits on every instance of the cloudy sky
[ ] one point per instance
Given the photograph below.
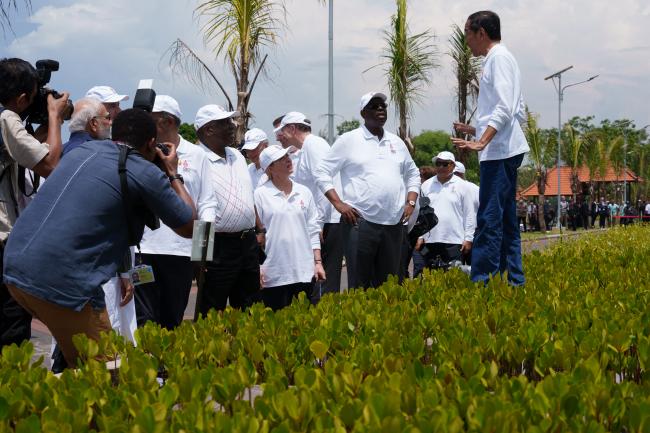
(118, 42)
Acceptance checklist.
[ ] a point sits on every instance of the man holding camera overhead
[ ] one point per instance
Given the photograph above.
(18, 89)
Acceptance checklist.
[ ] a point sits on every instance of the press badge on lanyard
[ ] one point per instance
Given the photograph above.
(142, 274)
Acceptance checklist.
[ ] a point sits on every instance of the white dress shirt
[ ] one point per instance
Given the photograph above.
(501, 105)
(453, 203)
(292, 233)
(194, 166)
(314, 150)
(375, 174)
(234, 190)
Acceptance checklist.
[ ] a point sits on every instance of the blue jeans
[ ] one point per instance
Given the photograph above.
(497, 243)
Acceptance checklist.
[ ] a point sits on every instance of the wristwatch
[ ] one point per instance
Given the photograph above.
(176, 176)
(411, 202)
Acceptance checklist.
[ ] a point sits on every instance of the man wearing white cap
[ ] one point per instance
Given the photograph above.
(255, 141)
(450, 197)
(380, 184)
(164, 300)
(109, 97)
(234, 274)
(312, 149)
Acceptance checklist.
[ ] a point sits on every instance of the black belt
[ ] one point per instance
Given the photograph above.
(231, 235)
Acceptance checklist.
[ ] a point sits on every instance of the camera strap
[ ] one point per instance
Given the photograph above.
(126, 196)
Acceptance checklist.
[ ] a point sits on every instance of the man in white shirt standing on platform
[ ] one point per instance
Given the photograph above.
(450, 196)
(255, 141)
(295, 128)
(380, 184)
(233, 276)
(501, 144)
(164, 300)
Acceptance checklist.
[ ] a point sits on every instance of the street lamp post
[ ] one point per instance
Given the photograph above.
(560, 97)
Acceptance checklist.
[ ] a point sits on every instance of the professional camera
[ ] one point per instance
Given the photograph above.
(37, 112)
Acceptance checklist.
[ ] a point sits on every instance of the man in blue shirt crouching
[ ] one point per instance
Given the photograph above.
(71, 239)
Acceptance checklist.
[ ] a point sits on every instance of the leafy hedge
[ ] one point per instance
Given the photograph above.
(570, 351)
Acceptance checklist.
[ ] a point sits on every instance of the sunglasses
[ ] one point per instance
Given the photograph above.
(442, 163)
(377, 106)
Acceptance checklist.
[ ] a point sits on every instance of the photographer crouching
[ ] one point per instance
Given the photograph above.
(20, 92)
(72, 237)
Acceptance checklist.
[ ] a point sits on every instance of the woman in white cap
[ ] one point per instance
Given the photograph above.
(288, 212)
(255, 140)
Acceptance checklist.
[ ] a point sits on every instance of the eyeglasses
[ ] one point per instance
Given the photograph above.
(442, 163)
(377, 106)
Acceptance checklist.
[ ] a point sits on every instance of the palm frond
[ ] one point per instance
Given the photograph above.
(6, 6)
(185, 62)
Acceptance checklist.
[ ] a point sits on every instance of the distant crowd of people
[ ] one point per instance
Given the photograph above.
(583, 214)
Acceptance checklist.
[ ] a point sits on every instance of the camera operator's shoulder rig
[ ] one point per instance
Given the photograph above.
(150, 219)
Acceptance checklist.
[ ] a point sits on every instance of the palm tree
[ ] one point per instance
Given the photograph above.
(539, 149)
(467, 69)
(409, 60)
(593, 157)
(5, 8)
(573, 150)
(238, 30)
(615, 157)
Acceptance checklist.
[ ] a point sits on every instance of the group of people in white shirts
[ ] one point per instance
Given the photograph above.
(285, 220)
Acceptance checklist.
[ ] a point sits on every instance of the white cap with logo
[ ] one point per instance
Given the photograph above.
(270, 155)
(444, 156)
(166, 104)
(211, 112)
(291, 118)
(253, 138)
(368, 96)
(105, 94)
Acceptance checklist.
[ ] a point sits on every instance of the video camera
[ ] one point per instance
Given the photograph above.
(37, 112)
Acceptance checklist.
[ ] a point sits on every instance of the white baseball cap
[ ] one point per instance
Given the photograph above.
(291, 118)
(105, 94)
(460, 168)
(445, 156)
(271, 154)
(211, 112)
(253, 138)
(368, 96)
(166, 104)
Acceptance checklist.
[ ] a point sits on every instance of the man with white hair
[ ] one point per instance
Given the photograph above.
(255, 141)
(164, 300)
(380, 184)
(109, 97)
(312, 149)
(90, 121)
(450, 197)
(233, 276)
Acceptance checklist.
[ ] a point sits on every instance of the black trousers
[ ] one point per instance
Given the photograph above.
(15, 321)
(164, 300)
(522, 221)
(279, 297)
(233, 276)
(332, 250)
(447, 252)
(372, 251)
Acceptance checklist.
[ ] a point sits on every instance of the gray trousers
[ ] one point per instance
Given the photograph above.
(372, 252)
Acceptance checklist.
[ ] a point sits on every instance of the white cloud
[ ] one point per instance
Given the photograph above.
(121, 41)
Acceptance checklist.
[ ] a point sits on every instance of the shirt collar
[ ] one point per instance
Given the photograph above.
(490, 53)
(213, 157)
(277, 192)
(370, 136)
(453, 179)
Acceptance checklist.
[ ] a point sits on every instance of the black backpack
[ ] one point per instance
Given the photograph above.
(427, 219)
